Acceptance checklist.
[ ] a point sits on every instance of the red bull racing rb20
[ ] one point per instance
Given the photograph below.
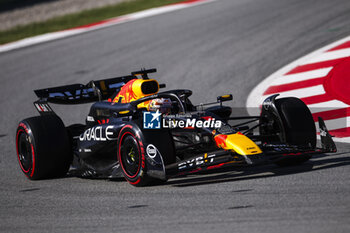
(147, 136)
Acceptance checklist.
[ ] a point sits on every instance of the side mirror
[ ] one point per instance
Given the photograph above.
(224, 98)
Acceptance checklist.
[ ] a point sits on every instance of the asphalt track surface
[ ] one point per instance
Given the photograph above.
(215, 48)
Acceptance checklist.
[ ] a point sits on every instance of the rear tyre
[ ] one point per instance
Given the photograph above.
(299, 127)
(43, 147)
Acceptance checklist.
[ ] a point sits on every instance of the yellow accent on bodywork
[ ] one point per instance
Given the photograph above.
(103, 85)
(124, 112)
(240, 144)
(132, 91)
(136, 87)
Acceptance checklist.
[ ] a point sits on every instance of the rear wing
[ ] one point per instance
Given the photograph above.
(91, 92)
(79, 93)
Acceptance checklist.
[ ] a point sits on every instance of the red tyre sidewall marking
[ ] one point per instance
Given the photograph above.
(33, 161)
(141, 161)
(25, 130)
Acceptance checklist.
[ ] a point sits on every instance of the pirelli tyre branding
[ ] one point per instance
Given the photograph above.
(98, 133)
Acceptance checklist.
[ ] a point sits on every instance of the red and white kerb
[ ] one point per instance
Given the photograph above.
(320, 79)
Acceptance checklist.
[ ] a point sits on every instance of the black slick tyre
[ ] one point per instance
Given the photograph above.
(131, 156)
(43, 147)
(299, 127)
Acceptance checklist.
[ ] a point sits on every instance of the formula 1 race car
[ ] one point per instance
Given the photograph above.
(146, 136)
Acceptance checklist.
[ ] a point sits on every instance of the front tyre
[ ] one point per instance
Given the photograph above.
(299, 127)
(43, 147)
(131, 156)
(298, 122)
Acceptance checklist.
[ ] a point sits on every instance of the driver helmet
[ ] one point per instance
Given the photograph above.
(163, 105)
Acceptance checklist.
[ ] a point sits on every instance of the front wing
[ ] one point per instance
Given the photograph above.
(271, 153)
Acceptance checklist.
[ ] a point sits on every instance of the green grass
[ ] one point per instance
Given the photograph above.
(79, 19)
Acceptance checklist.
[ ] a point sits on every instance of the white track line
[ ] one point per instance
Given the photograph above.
(345, 140)
(38, 39)
(327, 106)
(291, 78)
(110, 22)
(300, 93)
(338, 123)
(330, 56)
